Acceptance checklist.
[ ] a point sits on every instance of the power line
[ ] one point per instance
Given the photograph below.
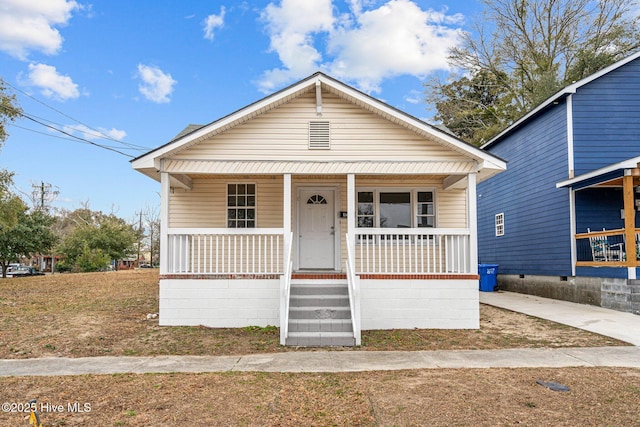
(72, 136)
(99, 133)
(60, 137)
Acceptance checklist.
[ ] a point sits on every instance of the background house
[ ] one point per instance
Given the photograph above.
(321, 210)
(561, 222)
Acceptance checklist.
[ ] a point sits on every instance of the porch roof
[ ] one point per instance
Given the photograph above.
(603, 175)
(318, 167)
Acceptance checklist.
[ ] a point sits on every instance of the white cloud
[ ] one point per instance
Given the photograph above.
(113, 133)
(156, 85)
(52, 84)
(414, 97)
(365, 45)
(212, 23)
(27, 25)
(92, 135)
(291, 27)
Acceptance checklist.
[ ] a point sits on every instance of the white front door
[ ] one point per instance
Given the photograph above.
(316, 228)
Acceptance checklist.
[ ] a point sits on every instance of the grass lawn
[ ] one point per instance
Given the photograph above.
(96, 314)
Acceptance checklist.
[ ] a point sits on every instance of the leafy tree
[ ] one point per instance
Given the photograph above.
(9, 110)
(23, 233)
(91, 239)
(528, 50)
(472, 107)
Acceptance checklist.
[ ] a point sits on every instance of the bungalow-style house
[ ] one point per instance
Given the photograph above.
(562, 222)
(323, 211)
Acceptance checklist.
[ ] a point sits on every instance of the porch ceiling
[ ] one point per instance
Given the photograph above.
(318, 168)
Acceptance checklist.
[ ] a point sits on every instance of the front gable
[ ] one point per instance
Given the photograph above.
(353, 134)
(358, 135)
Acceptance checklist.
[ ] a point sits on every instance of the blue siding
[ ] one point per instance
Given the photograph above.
(606, 120)
(598, 208)
(537, 236)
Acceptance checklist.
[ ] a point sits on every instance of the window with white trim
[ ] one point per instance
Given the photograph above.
(500, 224)
(241, 205)
(396, 208)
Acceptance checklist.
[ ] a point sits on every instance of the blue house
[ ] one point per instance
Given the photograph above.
(562, 221)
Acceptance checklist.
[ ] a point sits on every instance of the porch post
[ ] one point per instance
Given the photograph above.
(351, 211)
(165, 191)
(629, 225)
(286, 212)
(473, 223)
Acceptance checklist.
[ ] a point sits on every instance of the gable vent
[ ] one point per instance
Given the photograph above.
(319, 135)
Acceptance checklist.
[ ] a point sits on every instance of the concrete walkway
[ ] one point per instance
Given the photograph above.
(611, 323)
(623, 326)
(330, 361)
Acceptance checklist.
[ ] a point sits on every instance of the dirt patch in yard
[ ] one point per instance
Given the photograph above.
(446, 397)
(97, 314)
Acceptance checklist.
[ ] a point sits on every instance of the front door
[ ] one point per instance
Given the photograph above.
(316, 228)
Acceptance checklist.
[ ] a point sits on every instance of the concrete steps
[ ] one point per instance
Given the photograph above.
(319, 314)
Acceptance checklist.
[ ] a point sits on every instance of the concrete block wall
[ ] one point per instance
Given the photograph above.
(621, 295)
(408, 304)
(220, 303)
(583, 290)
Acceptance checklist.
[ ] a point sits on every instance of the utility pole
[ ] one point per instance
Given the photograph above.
(42, 195)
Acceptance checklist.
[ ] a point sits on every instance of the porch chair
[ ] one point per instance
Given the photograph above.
(601, 250)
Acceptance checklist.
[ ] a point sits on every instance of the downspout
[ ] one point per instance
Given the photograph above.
(572, 195)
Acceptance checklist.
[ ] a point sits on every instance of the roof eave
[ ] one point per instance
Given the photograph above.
(568, 90)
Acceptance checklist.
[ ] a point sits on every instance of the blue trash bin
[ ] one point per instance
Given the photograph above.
(488, 277)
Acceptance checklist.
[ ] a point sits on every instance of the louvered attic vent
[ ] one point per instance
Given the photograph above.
(319, 135)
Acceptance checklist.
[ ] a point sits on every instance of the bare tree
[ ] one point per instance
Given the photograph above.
(532, 48)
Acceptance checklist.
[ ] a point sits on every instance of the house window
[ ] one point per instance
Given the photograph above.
(500, 224)
(395, 208)
(241, 205)
(365, 209)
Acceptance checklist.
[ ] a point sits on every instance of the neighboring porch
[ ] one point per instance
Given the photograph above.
(606, 222)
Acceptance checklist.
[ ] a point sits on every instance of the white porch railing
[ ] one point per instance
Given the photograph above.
(285, 292)
(353, 282)
(225, 251)
(412, 251)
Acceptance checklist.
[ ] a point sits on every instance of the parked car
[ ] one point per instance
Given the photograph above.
(12, 267)
(23, 271)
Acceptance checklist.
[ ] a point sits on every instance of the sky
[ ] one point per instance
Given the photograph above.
(103, 81)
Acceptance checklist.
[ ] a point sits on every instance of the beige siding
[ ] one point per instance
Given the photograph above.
(205, 205)
(356, 134)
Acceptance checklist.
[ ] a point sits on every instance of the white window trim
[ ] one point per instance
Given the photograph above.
(499, 224)
(414, 202)
(226, 199)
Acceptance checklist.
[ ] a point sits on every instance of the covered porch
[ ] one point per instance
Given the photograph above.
(605, 206)
(386, 230)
